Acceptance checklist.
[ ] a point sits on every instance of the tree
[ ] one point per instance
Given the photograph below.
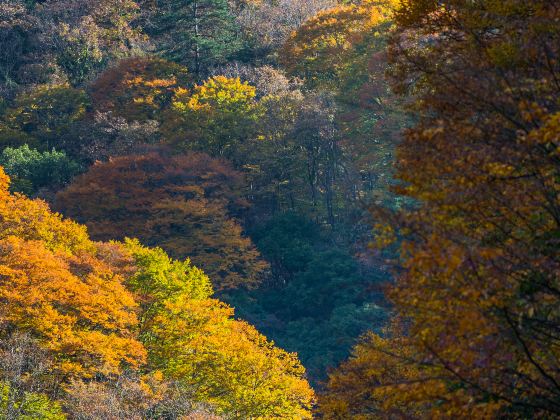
(478, 285)
(196, 33)
(266, 24)
(342, 50)
(218, 117)
(87, 35)
(193, 339)
(22, 54)
(63, 41)
(55, 288)
(179, 203)
(118, 329)
(31, 170)
(321, 49)
(26, 388)
(134, 396)
(367, 384)
(138, 88)
(30, 406)
(318, 299)
(44, 114)
(105, 136)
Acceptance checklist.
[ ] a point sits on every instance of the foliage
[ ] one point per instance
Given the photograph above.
(193, 340)
(266, 24)
(196, 33)
(55, 287)
(31, 170)
(31, 406)
(115, 330)
(102, 136)
(22, 58)
(322, 47)
(63, 41)
(479, 257)
(367, 384)
(87, 34)
(138, 88)
(318, 302)
(218, 117)
(44, 114)
(343, 50)
(77, 301)
(178, 203)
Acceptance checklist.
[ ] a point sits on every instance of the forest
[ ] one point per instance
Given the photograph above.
(279, 209)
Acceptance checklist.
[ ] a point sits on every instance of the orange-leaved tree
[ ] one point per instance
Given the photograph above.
(118, 329)
(179, 203)
(55, 287)
(138, 88)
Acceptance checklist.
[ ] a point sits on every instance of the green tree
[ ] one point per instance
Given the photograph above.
(196, 33)
(32, 170)
(194, 340)
(318, 302)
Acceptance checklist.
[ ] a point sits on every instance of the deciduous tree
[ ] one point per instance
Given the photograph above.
(478, 284)
(138, 88)
(218, 117)
(55, 288)
(193, 339)
(179, 203)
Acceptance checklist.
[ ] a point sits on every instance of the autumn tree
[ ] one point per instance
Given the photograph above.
(478, 284)
(29, 405)
(179, 203)
(321, 49)
(266, 24)
(367, 385)
(26, 386)
(104, 136)
(121, 330)
(41, 116)
(194, 340)
(342, 50)
(86, 35)
(23, 58)
(64, 41)
(138, 88)
(217, 117)
(56, 289)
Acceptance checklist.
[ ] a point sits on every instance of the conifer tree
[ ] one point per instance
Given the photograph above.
(196, 33)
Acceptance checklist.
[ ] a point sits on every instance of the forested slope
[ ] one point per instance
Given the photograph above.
(372, 184)
(244, 140)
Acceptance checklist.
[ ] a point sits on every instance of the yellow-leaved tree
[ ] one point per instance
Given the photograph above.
(194, 340)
